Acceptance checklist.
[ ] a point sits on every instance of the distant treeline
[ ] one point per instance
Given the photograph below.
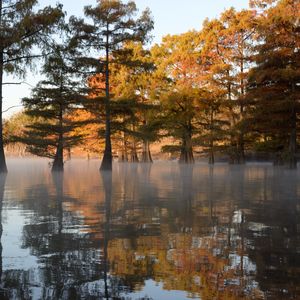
(230, 91)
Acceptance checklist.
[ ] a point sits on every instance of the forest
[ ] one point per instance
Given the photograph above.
(230, 91)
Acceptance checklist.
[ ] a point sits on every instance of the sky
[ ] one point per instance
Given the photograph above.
(170, 17)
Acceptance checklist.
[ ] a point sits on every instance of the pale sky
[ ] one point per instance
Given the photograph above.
(170, 17)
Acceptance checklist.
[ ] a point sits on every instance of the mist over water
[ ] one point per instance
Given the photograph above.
(160, 231)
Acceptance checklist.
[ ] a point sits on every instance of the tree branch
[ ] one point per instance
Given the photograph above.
(11, 83)
(10, 6)
(6, 110)
(22, 57)
(18, 83)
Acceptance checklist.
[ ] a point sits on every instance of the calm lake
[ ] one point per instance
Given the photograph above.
(160, 231)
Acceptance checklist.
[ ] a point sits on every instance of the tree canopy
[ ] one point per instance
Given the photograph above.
(228, 91)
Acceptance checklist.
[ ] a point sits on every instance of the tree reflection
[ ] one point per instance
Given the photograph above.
(107, 184)
(3, 294)
(274, 234)
(214, 232)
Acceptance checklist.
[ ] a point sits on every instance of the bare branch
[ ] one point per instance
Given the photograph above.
(18, 83)
(4, 111)
(11, 83)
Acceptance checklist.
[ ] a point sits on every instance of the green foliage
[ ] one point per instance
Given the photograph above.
(53, 101)
(15, 126)
(21, 29)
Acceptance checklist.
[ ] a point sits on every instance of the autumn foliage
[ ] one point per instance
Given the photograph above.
(229, 91)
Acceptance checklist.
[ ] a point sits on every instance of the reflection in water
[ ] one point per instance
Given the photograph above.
(157, 231)
(107, 184)
(2, 186)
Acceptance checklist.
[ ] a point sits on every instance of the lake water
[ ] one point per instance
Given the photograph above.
(160, 231)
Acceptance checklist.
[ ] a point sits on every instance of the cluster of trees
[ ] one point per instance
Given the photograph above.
(232, 88)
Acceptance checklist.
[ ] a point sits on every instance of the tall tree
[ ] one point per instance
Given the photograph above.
(239, 32)
(274, 83)
(113, 23)
(179, 90)
(225, 54)
(179, 121)
(20, 29)
(53, 99)
(132, 83)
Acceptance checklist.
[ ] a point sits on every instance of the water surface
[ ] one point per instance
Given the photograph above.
(160, 231)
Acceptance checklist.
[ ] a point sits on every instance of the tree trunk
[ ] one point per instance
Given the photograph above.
(211, 160)
(3, 167)
(58, 163)
(278, 159)
(106, 164)
(123, 157)
(241, 149)
(232, 147)
(186, 155)
(69, 153)
(134, 157)
(146, 154)
(292, 160)
(241, 142)
(236, 150)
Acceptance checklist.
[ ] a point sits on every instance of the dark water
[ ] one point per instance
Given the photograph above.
(149, 232)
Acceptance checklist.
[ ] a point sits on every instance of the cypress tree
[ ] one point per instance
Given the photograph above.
(113, 23)
(52, 103)
(20, 29)
(274, 84)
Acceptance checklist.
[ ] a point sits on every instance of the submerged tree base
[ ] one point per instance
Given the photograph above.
(146, 157)
(58, 166)
(237, 159)
(106, 164)
(292, 163)
(3, 167)
(187, 157)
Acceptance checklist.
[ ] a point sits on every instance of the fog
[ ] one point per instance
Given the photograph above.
(152, 231)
